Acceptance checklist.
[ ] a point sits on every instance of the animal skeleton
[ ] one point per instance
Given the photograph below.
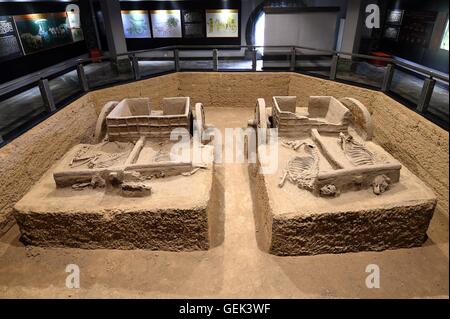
(302, 170)
(357, 153)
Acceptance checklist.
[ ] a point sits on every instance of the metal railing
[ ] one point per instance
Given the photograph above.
(92, 73)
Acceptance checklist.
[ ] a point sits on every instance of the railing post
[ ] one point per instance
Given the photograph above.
(135, 63)
(333, 67)
(254, 59)
(388, 74)
(425, 95)
(82, 78)
(293, 59)
(215, 60)
(46, 95)
(176, 58)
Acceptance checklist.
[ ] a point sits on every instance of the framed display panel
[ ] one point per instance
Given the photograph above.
(43, 31)
(136, 24)
(417, 28)
(10, 46)
(193, 24)
(222, 23)
(395, 17)
(166, 23)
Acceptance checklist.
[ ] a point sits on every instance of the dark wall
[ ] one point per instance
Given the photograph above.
(431, 55)
(21, 66)
(141, 44)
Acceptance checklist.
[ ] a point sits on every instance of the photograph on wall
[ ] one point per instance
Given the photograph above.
(222, 23)
(136, 24)
(166, 23)
(43, 31)
(74, 22)
(395, 17)
(9, 42)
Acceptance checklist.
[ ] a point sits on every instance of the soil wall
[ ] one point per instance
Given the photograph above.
(27, 158)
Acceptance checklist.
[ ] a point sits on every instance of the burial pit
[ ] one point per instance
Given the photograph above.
(125, 192)
(334, 190)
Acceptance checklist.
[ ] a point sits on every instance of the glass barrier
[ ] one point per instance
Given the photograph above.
(406, 85)
(367, 73)
(22, 108)
(235, 60)
(193, 60)
(152, 63)
(314, 63)
(106, 72)
(64, 86)
(276, 59)
(438, 106)
(18, 111)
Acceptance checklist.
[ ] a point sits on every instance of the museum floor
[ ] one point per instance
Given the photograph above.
(235, 268)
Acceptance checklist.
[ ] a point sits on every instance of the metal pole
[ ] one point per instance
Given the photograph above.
(425, 95)
(293, 59)
(333, 67)
(135, 63)
(82, 78)
(46, 95)
(176, 58)
(215, 60)
(254, 60)
(387, 80)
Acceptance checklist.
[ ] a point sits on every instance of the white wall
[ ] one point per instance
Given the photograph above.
(310, 29)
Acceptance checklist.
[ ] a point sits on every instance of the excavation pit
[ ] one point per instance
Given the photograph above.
(294, 221)
(172, 214)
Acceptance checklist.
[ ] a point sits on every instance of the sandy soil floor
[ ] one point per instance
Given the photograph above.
(235, 268)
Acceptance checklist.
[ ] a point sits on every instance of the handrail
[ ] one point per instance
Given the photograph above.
(43, 76)
(296, 47)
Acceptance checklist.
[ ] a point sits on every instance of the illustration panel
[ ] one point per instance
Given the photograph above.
(136, 24)
(166, 23)
(43, 31)
(222, 23)
(9, 43)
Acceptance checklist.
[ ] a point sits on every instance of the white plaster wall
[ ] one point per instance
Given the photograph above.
(310, 29)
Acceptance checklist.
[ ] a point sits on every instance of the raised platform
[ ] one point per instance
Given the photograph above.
(174, 217)
(293, 221)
